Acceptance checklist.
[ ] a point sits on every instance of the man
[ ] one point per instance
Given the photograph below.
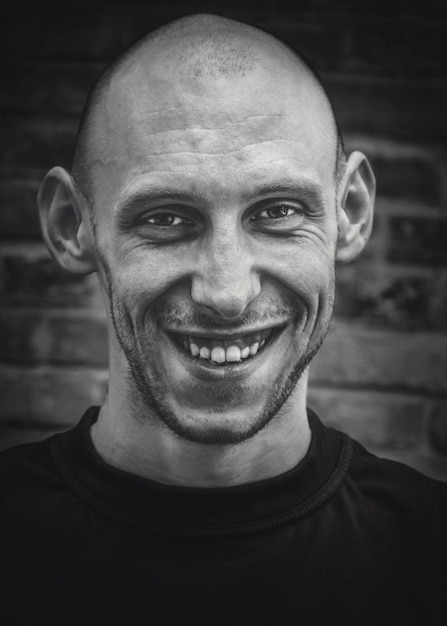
(211, 195)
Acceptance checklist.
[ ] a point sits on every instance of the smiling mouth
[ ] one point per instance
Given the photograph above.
(229, 351)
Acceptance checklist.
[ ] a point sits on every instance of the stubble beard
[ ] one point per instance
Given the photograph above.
(145, 392)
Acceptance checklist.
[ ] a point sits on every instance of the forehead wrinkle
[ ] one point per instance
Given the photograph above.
(303, 166)
(194, 131)
(173, 135)
(206, 112)
(164, 111)
(195, 147)
(214, 127)
(223, 153)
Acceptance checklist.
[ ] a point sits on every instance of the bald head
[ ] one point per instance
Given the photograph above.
(184, 60)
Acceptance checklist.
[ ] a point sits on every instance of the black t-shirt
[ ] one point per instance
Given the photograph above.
(343, 538)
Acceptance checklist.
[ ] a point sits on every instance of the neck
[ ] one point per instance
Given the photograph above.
(146, 448)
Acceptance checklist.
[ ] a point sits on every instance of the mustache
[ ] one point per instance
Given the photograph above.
(268, 311)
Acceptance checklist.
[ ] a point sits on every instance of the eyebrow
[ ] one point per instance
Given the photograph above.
(154, 194)
(305, 189)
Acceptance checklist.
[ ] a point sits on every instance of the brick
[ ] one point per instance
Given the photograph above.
(391, 425)
(356, 356)
(101, 31)
(28, 276)
(321, 42)
(67, 32)
(34, 145)
(394, 207)
(408, 110)
(37, 397)
(418, 240)
(12, 436)
(92, 32)
(397, 47)
(391, 9)
(438, 301)
(385, 297)
(22, 336)
(19, 217)
(424, 461)
(403, 170)
(43, 87)
(386, 209)
(30, 336)
(377, 420)
(437, 429)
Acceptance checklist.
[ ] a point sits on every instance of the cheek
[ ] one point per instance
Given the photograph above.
(305, 269)
(142, 279)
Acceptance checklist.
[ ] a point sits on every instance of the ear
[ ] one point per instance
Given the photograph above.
(357, 191)
(65, 222)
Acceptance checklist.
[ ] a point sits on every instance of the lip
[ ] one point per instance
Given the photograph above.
(224, 336)
(206, 370)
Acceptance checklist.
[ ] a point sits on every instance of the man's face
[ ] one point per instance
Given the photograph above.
(215, 216)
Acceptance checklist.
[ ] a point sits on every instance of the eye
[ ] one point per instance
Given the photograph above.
(278, 211)
(167, 225)
(166, 219)
(279, 217)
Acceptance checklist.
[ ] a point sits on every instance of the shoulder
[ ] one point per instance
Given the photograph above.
(394, 497)
(35, 462)
(26, 471)
(379, 475)
(23, 458)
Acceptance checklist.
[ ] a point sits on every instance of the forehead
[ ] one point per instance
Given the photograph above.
(223, 134)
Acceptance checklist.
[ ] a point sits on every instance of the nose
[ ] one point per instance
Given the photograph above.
(226, 277)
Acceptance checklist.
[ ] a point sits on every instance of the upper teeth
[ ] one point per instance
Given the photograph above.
(222, 352)
(219, 354)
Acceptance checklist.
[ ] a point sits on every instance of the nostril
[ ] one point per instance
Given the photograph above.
(228, 300)
(227, 306)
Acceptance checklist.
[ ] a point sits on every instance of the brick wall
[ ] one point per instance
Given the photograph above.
(382, 374)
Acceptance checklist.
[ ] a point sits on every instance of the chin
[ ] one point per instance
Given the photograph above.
(214, 428)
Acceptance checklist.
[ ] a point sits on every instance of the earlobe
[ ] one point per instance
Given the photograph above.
(355, 207)
(64, 222)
